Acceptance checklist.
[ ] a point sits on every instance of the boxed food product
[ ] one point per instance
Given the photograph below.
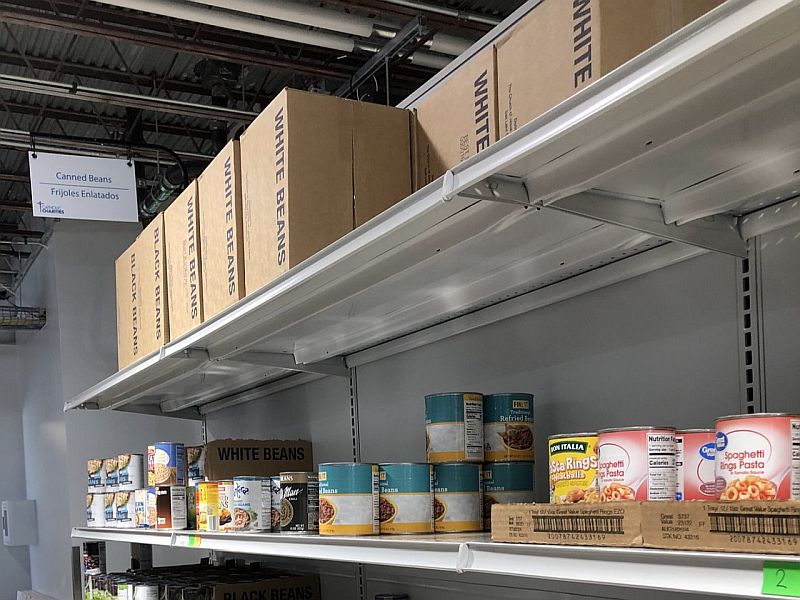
(458, 119)
(313, 167)
(561, 47)
(766, 526)
(153, 312)
(184, 271)
(607, 524)
(226, 459)
(127, 287)
(219, 189)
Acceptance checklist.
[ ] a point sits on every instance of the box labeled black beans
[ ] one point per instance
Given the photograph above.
(226, 459)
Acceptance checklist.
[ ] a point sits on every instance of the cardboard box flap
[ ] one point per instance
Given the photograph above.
(262, 458)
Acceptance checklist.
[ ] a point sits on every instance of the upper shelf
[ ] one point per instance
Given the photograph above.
(696, 141)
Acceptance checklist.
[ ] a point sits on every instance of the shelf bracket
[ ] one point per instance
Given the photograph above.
(719, 233)
(498, 188)
(335, 366)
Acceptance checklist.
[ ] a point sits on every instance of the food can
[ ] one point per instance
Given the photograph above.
(165, 464)
(506, 483)
(112, 475)
(226, 497)
(573, 468)
(758, 457)
(299, 502)
(637, 463)
(124, 510)
(275, 503)
(251, 504)
(457, 498)
(348, 499)
(145, 592)
(152, 507)
(454, 427)
(207, 505)
(191, 507)
(195, 464)
(96, 475)
(95, 510)
(508, 427)
(171, 507)
(694, 464)
(108, 509)
(130, 469)
(406, 498)
(140, 508)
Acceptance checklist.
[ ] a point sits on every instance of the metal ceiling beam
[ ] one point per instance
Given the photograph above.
(10, 231)
(15, 206)
(14, 253)
(14, 178)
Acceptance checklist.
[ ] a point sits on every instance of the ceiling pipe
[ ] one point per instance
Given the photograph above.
(444, 11)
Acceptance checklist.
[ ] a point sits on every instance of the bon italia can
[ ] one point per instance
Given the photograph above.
(454, 427)
(251, 504)
(506, 483)
(130, 469)
(299, 502)
(406, 498)
(348, 499)
(572, 459)
(694, 464)
(457, 498)
(508, 427)
(758, 457)
(165, 464)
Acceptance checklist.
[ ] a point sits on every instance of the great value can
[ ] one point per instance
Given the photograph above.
(251, 504)
(165, 464)
(454, 427)
(275, 502)
(130, 469)
(573, 468)
(508, 427)
(226, 499)
(694, 464)
(457, 498)
(95, 510)
(348, 499)
(207, 505)
(140, 508)
(112, 475)
(637, 463)
(299, 502)
(96, 475)
(506, 483)
(758, 457)
(406, 498)
(124, 510)
(108, 509)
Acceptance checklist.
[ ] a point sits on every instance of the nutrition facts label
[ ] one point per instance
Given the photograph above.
(473, 429)
(661, 466)
(795, 459)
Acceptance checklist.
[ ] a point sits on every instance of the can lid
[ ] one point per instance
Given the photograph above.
(351, 464)
(695, 431)
(511, 463)
(526, 395)
(457, 464)
(445, 394)
(559, 436)
(398, 464)
(754, 416)
(636, 428)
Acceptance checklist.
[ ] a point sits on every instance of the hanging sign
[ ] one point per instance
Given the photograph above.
(83, 187)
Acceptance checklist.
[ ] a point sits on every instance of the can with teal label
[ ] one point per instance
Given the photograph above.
(406, 502)
(458, 498)
(508, 427)
(348, 499)
(454, 427)
(506, 483)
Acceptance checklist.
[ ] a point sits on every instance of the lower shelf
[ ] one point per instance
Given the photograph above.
(714, 573)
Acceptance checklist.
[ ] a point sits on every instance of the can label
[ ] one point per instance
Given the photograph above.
(406, 498)
(152, 507)
(170, 507)
(506, 483)
(196, 463)
(275, 503)
(226, 500)
(124, 510)
(348, 499)
(130, 469)
(207, 506)
(140, 508)
(165, 464)
(694, 464)
(454, 427)
(96, 474)
(251, 504)
(573, 469)
(458, 498)
(758, 458)
(508, 427)
(112, 475)
(299, 503)
(637, 465)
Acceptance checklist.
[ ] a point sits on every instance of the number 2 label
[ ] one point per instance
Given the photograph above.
(781, 579)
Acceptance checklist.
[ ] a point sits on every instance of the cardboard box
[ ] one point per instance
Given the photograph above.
(458, 119)
(127, 288)
(184, 271)
(313, 167)
(769, 527)
(219, 189)
(226, 459)
(305, 587)
(153, 310)
(561, 47)
(607, 524)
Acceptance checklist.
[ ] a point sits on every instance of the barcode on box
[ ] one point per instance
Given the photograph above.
(749, 523)
(594, 524)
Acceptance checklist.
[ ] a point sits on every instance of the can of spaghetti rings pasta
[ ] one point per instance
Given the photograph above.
(636, 463)
(454, 427)
(508, 427)
(348, 499)
(758, 457)
(406, 498)
(251, 504)
(226, 499)
(457, 498)
(505, 483)
(694, 464)
(299, 502)
(573, 467)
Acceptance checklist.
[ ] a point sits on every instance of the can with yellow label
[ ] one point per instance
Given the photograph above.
(573, 468)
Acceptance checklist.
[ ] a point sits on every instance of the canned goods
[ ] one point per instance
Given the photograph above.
(694, 464)
(130, 469)
(758, 457)
(195, 463)
(170, 507)
(506, 483)
(140, 508)
(165, 464)
(299, 502)
(348, 499)
(406, 498)
(112, 481)
(124, 510)
(454, 427)
(573, 468)
(508, 427)
(275, 503)
(145, 592)
(191, 507)
(96, 475)
(637, 463)
(95, 510)
(226, 499)
(108, 509)
(251, 504)
(207, 505)
(457, 498)
(152, 508)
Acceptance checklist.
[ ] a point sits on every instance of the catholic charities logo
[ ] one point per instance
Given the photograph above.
(49, 209)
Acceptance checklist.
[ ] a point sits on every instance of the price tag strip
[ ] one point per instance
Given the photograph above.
(781, 579)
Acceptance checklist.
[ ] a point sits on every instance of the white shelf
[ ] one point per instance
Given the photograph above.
(714, 573)
(649, 165)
